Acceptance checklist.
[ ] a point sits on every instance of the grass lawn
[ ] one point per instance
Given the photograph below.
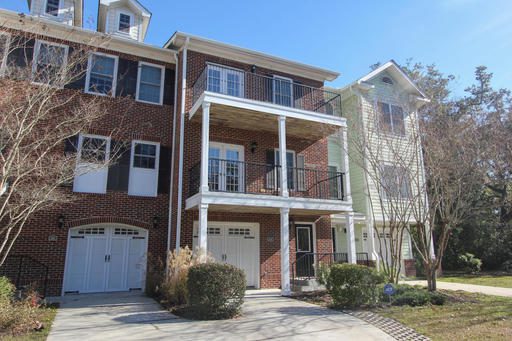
(465, 316)
(504, 281)
(46, 316)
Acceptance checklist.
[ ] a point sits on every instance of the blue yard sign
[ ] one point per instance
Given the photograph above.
(389, 289)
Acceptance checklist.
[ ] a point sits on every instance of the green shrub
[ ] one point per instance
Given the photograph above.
(412, 298)
(216, 291)
(469, 263)
(437, 298)
(352, 285)
(507, 266)
(7, 290)
(322, 274)
(412, 295)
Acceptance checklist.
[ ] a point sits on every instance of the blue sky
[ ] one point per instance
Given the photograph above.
(346, 36)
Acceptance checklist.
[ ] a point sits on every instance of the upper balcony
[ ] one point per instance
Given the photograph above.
(247, 100)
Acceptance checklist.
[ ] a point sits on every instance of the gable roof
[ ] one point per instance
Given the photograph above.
(247, 56)
(134, 4)
(79, 10)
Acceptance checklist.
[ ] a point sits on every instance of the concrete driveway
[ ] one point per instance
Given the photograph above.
(266, 316)
(482, 289)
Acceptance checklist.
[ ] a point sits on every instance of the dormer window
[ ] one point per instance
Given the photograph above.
(124, 23)
(52, 7)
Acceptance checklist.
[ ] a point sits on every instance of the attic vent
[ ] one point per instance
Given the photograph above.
(387, 80)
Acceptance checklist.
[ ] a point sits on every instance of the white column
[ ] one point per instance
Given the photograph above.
(346, 168)
(282, 156)
(351, 238)
(285, 252)
(202, 231)
(205, 146)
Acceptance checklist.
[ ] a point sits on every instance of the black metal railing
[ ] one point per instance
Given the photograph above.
(306, 265)
(276, 90)
(26, 273)
(258, 178)
(362, 258)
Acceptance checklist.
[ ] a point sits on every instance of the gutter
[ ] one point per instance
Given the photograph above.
(182, 137)
(171, 189)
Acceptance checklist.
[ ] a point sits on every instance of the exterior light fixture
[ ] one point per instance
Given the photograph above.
(253, 68)
(60, 221)
(156, 220)
(254, 145)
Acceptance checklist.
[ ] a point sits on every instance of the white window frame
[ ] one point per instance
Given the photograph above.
(222, 177)
(59, 13)
(379, 119)
(309, 229)
(155, 170)
(118, 22)
(79, 158)
(37, 48)
(292, 100)
(3, 61)
(162, 82)
(114, 76)
(224, 70)
(277, 162)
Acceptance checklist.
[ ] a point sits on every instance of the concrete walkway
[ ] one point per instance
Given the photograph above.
(266, 315)
(482, 289)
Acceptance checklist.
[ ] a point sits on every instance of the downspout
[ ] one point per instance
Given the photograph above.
(171, 189)
(182, 137)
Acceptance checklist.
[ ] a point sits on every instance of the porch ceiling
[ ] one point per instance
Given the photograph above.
(240, 118)
(265, 210)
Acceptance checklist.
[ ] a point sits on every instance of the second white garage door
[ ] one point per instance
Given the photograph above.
(236, 244)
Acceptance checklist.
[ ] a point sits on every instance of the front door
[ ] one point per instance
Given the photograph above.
(226, 168)
(305, 258)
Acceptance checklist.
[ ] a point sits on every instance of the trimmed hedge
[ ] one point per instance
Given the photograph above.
(412, 296)
(216, 291)
(352, 285)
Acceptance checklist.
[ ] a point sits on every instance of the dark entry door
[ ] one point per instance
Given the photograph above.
(304, 254)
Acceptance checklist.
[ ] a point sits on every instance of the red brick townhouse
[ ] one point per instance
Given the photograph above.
(228, 152)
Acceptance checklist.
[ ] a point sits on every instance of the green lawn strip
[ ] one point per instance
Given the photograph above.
(46, 316)
(489, 280)
(466, 317)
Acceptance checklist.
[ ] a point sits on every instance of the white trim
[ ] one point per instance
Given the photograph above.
(222, 156)
(281, 78)
(268, 201)
(89, 69)
(156, 169)
(118, 22)
(313, 226)
(311, 243)
(162, 82)
(3, 61)
(46, 14)
(35, 55)
(269, 108)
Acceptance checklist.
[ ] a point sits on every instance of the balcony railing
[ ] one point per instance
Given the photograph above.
(257, 178)
(276, 90)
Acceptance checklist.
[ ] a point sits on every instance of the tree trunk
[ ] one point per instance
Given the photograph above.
(430, 272)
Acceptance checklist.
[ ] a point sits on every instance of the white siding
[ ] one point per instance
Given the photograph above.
(66, 12)
(112, 22)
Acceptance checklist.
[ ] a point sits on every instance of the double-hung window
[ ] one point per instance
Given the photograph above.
(395, 182)
(124, 23)
(52, 7)
(225, 80)
(101, 74)
(391, 118)
(144, 169)
(150, 84)
(92, 165)
(49, 61)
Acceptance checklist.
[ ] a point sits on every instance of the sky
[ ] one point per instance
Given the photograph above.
(346, 36)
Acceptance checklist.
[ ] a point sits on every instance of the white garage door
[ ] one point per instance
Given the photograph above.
(105, 258)
(236, 244)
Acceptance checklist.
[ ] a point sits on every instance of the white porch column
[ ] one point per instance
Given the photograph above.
(351, 238)
(202, 231)
(285, 252)
(205, 146)
(346, 168)
(282, 157)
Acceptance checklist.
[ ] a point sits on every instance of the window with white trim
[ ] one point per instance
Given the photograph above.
(395, 182)
(225, 80)
(143, 179)
(283, 91)
(52, 7)
(101, 74)
(49, 60)
(124, 23)
(92, 165)
(150, 83)
(391, 118)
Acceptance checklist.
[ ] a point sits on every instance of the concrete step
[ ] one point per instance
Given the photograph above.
(306, 285)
